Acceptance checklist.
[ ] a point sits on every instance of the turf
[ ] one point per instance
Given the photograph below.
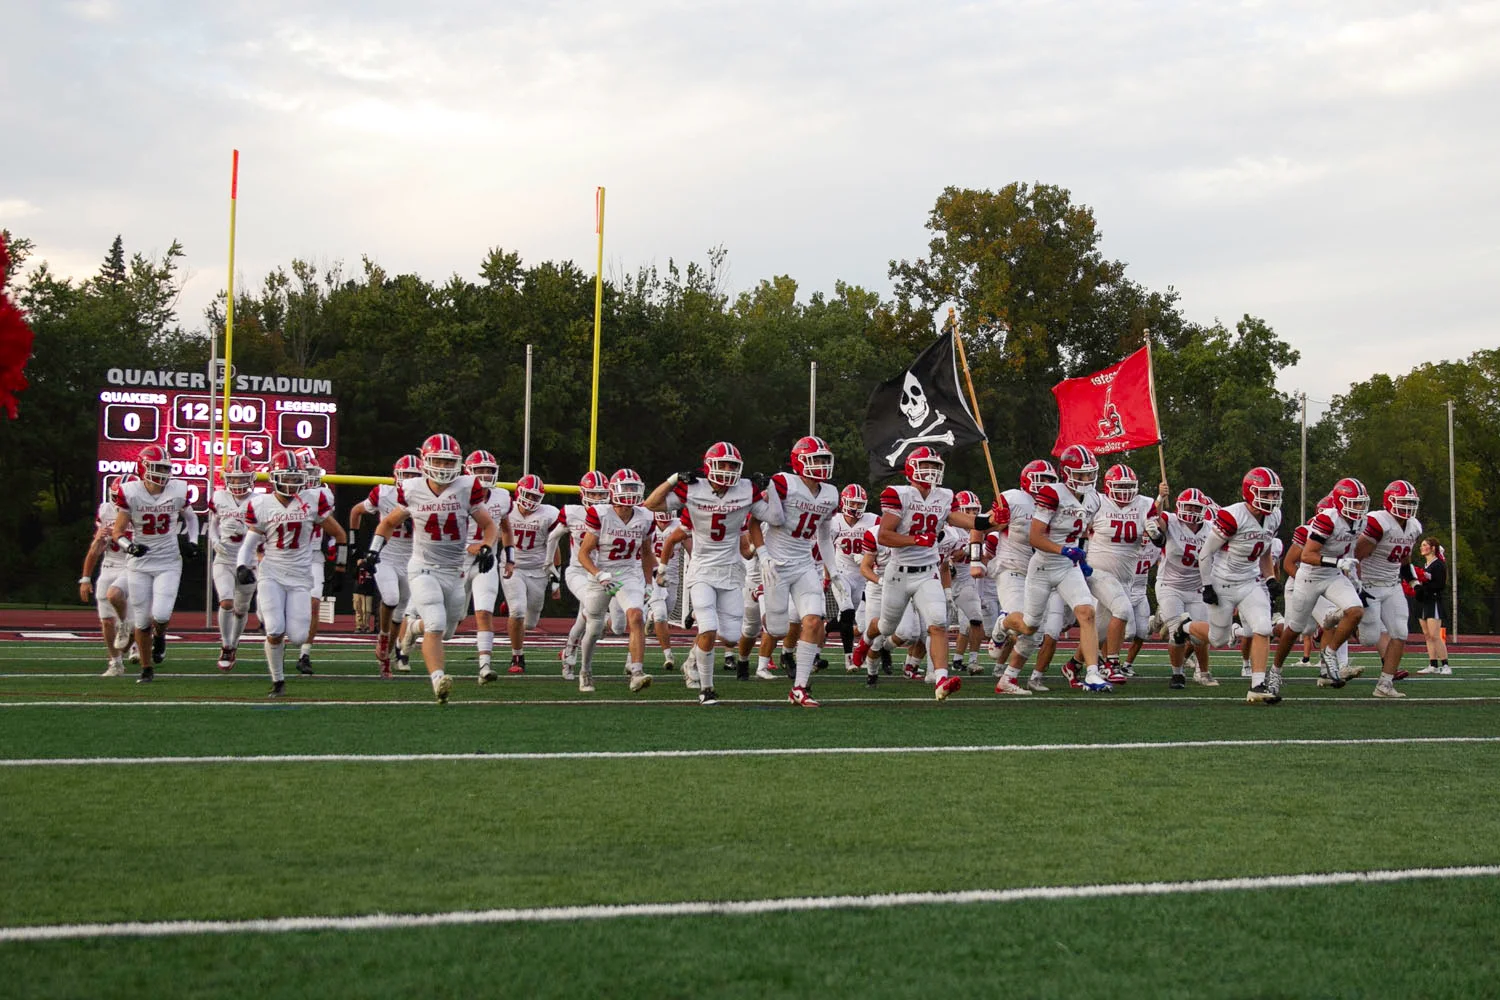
(242, 840)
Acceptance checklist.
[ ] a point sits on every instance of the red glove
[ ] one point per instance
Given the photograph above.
(925, 539)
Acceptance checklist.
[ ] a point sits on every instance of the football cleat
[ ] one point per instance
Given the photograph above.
(487, 676)
(403, 664)
(1035, 684)
(849, 665)
(765, 673)
(304, 665)
(871, 680)
(1008, 686)
(585, 680)
(1155, 624)
(911, 670)
(1330, 663)
(442, 689)
(1258, 695)
(1387, 689)
(639, 681)
(819, 663)
(226, 659)
(1113, 673)
(885, 662)
(1401, 675)
(1273, 683)
(1178, 682)
(158, 647)
(116, 668)
(1246, 670)
(123, 636)
(134, 656)
(947, 686)
(708, 696)
(148, 674)
(1349, 671)
(517, 667)
(1094, 681)
(799, 696)
(975, 669)
(278, 689)
(742, 669)
(1205, 678)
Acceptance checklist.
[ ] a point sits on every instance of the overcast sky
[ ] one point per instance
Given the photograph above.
(1330, 166)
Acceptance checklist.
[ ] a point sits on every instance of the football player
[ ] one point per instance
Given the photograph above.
(1122, 527)
(1006, 565)
(664, 595)
(616, 554)
(962, 592)
(1326, 569)
(108, 596)
(593, 489)
(530, 523)
(440, 504)
(848, 531)
(390, 571)
(484, 587)
(148, 510)
(716, 503)
(280, 523)
(1179, 581)
(323, 495)
(1232, 566)
(226, 532)
(911, 516)
(1384, 552)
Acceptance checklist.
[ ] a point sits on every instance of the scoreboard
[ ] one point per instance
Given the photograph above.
(189, 425)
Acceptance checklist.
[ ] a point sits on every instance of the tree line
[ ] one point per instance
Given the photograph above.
(686, 363)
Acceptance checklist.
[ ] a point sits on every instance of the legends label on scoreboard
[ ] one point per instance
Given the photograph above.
(189, 425)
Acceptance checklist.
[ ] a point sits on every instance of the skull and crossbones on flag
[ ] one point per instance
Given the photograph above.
(921, 406)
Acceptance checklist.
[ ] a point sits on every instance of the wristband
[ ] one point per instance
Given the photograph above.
(343, 553)
(85, 579)
(510, 559)
(1328, 561)
(982, 522)
(976, 552)
(377, 543)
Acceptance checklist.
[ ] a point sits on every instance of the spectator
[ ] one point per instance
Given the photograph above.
(1432, 579)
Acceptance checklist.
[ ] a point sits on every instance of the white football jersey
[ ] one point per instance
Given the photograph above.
(621, 540)
(1247, 538)
(530, 547)
(114, 554)
(917, 514)
(716, 521)
(882, 554)
(849, 541)
(288, 541)
(574, 517)
(1149, 556)
(153, 521)
(1179, 562)
(1119, 534)
(226, 523)
(953, 547)
(1013, 543)
(440, 521)
(795, 518)
(1394, 544)
(1336, 533)
(398, 547)
(1064, 514)
(499, 504)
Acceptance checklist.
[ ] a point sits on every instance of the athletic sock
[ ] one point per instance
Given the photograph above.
(1257, 678)
(226, 628)
(846, 630)
(705, 667)
(306, 649)
(1014, 673)
(807, 654)
(237, 628)
(436, 677)
(275, 655)
(764, 663)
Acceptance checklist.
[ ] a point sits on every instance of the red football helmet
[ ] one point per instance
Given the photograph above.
(812, 458)
(407, 467)
(1261, 489)
(442, 458)
(1326, 503)
(722, 464)
(967, 501)
(626, 488)
(663, 518)
(239, 477)
(483, 467)
(1080, 469)
(153, 465)
(529, 492)
(1400, 498)
(593, 488)
(310, 467)
(1121, 484)
(1192, 507)
(1036, 473)
(852, 500)
(287, 475)
(924, 465)
(1352, 498)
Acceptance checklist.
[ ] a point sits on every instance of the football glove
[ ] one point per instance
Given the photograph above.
(1210, 595)
(136, 549)
(484, 559)
(925, 539)
(1274, 587)
(189, 549)
(244, 575)
(1349, 566)
(1406, 573)
(689, 477)
(660, 575)
(370, 561)
(1088, 570)
(759, 480)
(1072, 553)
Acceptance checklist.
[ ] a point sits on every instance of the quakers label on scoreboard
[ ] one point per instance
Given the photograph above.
(159, 378)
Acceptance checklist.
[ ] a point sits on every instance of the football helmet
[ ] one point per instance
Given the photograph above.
(1192, 507)
(1352, 498)
(153, 465)
(1035, 474)
(1080, 469)
(287, 475)
(812, 459)
(924, 465)
(967, 501)
(722, 464)
(483, 467)
(239, 477)
(852, 500)
(1400, 499)
(529, 492)
(1261, 489)
(593, 488)
(626, 488)
(1121, 483)
(442, 458)
(663, 518)
(311, 470)
(407, 467)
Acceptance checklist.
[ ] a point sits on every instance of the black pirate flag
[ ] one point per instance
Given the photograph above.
(921, 406)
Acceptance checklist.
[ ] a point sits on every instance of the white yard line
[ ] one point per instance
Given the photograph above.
(747, 907)
(414, 758)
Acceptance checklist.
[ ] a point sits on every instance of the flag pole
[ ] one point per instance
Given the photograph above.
(1161, 452)
(598, 320)
(963, 359)
(234, 196)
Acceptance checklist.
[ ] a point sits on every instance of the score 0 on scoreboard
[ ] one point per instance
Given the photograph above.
(150, 407)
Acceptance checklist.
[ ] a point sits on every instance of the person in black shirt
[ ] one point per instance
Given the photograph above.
(1432, 583)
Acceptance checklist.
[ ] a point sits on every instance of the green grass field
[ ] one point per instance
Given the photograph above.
(525, 794)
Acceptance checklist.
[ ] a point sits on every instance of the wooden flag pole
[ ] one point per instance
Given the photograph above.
(1161, 452)
(963, 359)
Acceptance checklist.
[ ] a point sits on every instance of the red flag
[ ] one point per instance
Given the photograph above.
(15, 342)
(1111, 410)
